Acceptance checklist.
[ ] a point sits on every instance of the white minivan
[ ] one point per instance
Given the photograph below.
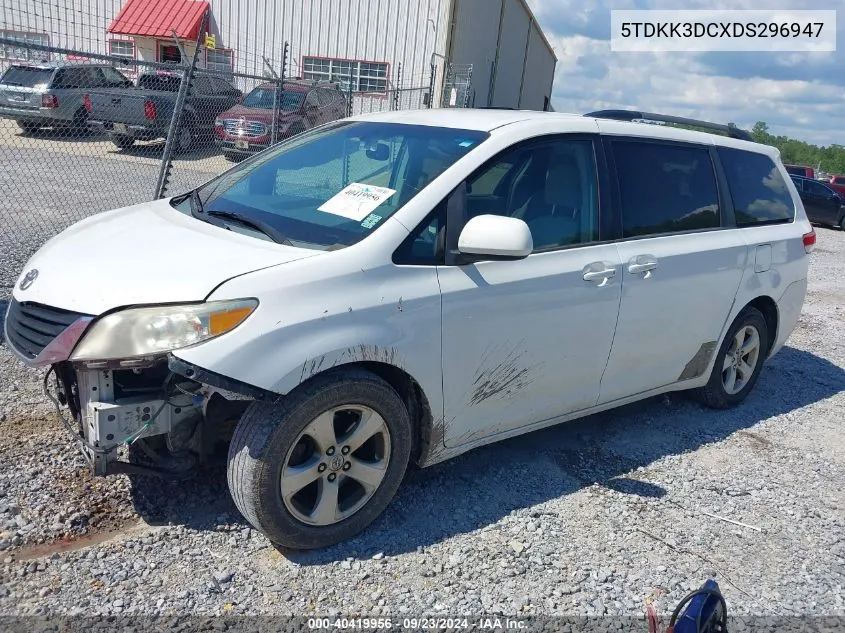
(403, 287)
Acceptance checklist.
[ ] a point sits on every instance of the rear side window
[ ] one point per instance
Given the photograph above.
(164, 83)
(26, 76)
(665, 188)
(760, 194)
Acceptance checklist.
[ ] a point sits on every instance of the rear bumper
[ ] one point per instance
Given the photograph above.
(133, 130)
(789, 308)
(45, 116)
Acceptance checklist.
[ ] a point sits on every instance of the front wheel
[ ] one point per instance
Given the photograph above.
(321, 465)
(738, 363)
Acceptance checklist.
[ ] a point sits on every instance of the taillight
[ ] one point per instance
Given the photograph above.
(149, 110)
(49, 101)
(809, 241)
(86, 102)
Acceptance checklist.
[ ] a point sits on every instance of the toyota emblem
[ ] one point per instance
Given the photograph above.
(29, 279)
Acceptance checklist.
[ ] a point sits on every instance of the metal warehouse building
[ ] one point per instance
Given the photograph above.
(468, 52)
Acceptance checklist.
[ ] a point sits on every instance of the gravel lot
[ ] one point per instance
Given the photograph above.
(48, 182)
(592, 517)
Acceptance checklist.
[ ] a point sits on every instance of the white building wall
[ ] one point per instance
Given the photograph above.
(76, 24)
(392, 31)
(406, 32)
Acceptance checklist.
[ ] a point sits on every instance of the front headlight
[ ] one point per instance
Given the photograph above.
(157, 330)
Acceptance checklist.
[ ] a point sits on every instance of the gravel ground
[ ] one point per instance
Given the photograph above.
(592, 517)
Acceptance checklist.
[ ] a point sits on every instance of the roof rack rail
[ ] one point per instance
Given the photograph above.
(634, 115)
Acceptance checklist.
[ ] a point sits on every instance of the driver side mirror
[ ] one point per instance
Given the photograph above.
(495, 237)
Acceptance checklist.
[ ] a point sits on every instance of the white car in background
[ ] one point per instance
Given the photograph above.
(406, 286)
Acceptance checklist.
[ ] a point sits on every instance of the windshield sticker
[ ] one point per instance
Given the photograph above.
(370, 221)
(356, 201)
(466, 143)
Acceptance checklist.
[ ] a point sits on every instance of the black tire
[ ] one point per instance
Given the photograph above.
(78, 127)
(293, 130)
(186, 138)
(267, 432)
(122, 141)
(842, 223)
(714, 394)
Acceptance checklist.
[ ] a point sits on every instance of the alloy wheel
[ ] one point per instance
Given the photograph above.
(336, 465)
(741, 359)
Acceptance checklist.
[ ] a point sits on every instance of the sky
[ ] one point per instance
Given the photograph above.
(800, 95)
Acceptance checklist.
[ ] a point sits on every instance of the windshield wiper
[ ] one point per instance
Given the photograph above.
(268, 230)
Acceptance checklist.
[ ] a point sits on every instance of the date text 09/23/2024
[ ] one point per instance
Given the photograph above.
(417, 624)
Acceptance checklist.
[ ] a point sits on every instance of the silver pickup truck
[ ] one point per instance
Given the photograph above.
(52, 94)
(145, 111)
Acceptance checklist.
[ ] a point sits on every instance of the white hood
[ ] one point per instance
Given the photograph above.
(147, 253)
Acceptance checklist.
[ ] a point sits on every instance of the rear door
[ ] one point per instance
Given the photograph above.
(680, 268)
(821, 203)
(312, 109)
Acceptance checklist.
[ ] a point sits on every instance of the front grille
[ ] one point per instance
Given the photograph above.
(237, 127)
(31, 326)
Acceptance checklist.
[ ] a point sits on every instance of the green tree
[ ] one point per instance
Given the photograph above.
(830, 158)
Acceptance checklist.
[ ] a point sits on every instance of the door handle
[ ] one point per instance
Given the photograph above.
(642, 264)
(599, 271)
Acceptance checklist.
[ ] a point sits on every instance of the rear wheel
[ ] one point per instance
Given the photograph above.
(842, 223)
(186, 138)
(738, 363)
(320, 466)
(79, 125)
(122, 141)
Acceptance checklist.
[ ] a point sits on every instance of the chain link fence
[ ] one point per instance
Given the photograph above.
(87, 130)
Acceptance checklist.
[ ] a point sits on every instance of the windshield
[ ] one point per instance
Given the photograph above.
(263, 98)
(27, 76)
(334, 185)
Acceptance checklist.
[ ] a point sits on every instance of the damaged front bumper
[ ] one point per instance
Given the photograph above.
(114, 412)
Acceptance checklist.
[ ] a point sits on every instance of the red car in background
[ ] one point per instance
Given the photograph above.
(801, 170)
(248, 127)
(837, 183)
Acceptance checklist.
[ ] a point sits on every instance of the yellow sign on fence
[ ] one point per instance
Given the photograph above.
(210, 41)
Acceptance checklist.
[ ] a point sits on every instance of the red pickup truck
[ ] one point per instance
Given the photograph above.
(801, 170)
(838, 184)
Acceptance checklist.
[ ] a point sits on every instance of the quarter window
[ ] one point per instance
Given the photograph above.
(759, 192)
(665, 188)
